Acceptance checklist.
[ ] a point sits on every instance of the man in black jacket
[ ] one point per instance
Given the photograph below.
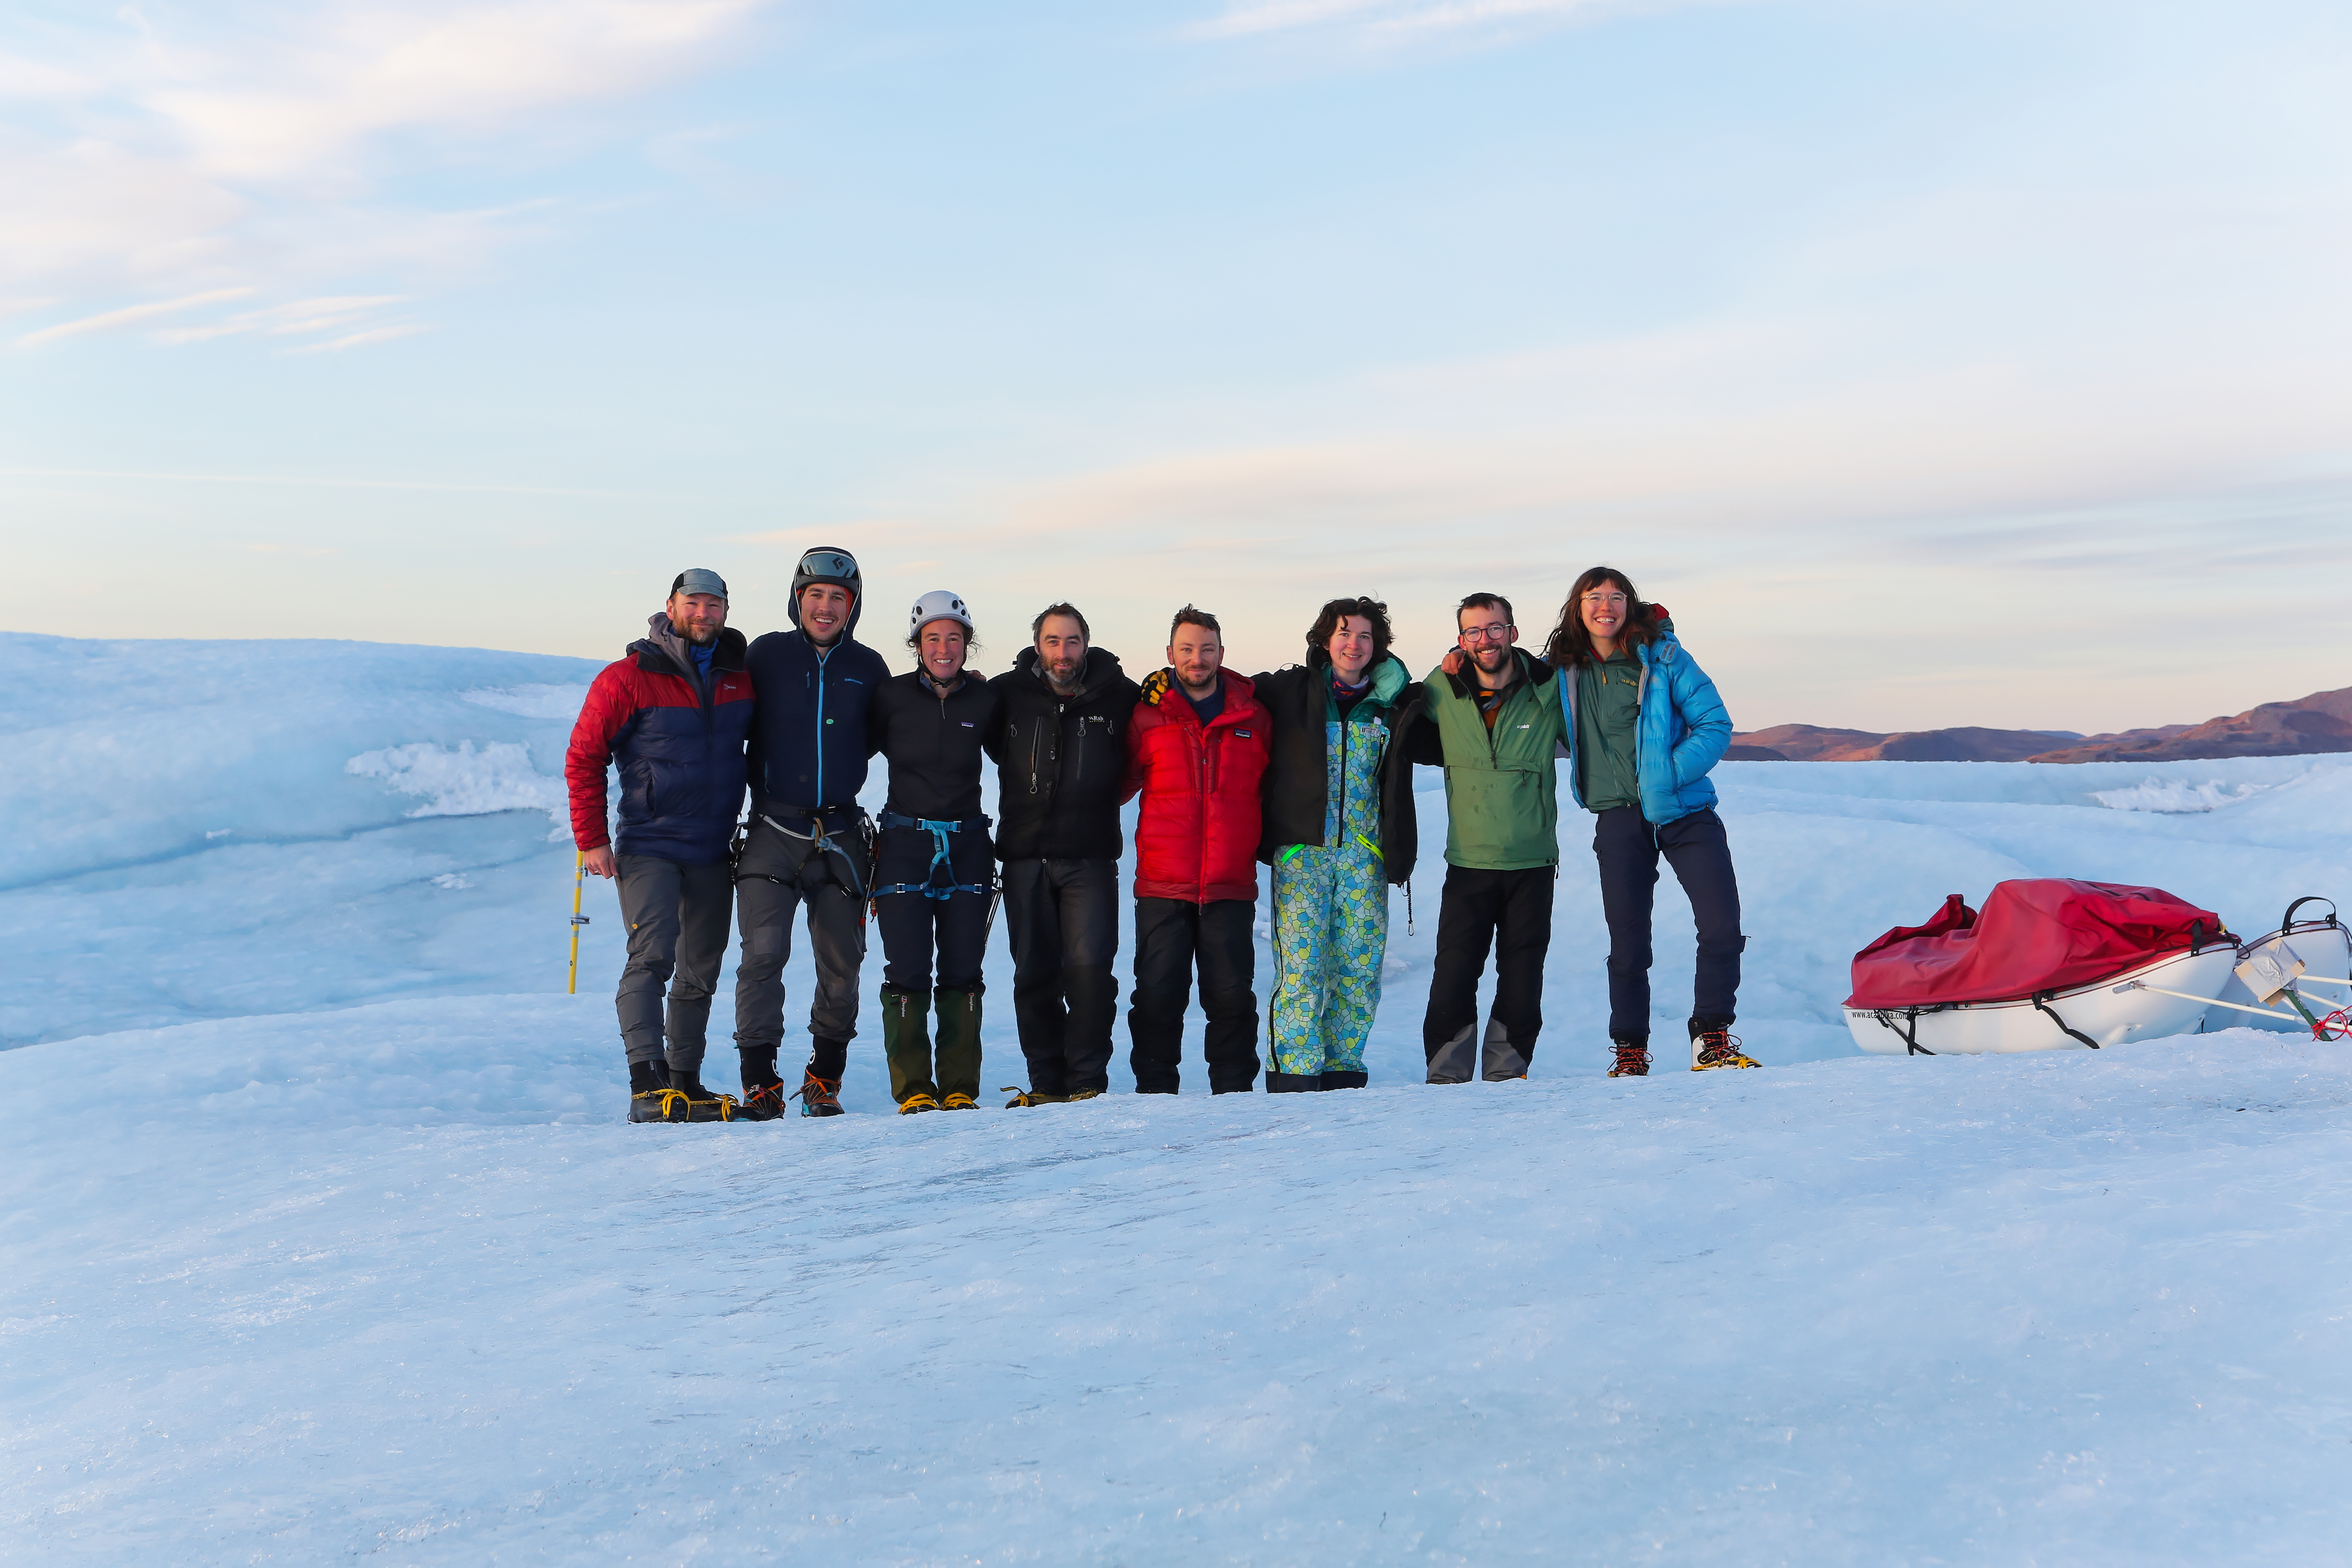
(1060, 746)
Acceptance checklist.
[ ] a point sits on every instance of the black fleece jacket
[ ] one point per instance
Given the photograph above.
(1061, 761)
(933, 744)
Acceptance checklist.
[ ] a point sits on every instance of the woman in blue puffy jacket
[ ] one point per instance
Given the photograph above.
(1645, 726)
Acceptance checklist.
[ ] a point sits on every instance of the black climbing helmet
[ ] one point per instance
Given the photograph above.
(827, 565)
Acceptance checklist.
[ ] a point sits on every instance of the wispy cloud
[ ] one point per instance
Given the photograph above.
(251, 147)
(292, 319)
(128, 316)
(1396, 21)
(361, 340)
(298, 109)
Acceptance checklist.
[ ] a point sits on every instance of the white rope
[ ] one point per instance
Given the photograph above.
(2209, 1001)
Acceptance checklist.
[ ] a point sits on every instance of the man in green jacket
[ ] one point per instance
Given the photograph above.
(1496, 726)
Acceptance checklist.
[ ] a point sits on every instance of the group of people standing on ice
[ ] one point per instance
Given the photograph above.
(1307, 770)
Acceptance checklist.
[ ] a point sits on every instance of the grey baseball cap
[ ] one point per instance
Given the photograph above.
(698, 581)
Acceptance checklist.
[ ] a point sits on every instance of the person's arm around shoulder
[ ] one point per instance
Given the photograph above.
(1408, 722)
(1139, 727)
(991, 739)
(611, 705)
(1424, 743)
(877, 720)
(1702, 714)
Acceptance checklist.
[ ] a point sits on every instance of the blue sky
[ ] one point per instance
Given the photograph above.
(1934, 363)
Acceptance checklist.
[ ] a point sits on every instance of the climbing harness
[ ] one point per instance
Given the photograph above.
(931, 887)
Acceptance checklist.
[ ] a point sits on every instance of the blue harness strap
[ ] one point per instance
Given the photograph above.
(931, 887)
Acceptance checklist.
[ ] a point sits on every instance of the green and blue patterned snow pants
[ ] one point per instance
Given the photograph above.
(1330, 934)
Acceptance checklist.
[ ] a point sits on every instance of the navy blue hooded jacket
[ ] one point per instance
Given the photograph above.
(808, 735)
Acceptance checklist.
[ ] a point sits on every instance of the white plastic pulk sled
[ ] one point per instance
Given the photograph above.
(2264, 991)
(2056, 964)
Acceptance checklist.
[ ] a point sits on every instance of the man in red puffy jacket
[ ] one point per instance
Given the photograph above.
(673, 714)
(1197, 749)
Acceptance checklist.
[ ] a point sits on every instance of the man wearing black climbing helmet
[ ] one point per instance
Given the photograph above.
(806, 844)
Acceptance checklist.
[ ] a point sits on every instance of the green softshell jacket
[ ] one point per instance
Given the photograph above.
(1502, 794)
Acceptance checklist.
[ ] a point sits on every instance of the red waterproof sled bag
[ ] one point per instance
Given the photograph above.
(2038, 934)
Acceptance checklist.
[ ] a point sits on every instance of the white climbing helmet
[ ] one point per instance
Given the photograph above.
(938, 605)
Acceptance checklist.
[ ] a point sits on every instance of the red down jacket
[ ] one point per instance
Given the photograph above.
(1196, 837)
(681, 750)
(2036, 934)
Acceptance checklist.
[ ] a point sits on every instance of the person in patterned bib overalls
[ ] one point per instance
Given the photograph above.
(1339, 830)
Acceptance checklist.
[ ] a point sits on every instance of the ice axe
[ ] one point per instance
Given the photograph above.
(579, 880)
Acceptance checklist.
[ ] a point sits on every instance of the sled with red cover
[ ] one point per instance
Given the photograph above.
(2050, 965)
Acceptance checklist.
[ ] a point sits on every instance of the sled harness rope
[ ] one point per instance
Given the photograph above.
(2041, 1004)
(1909, 1033)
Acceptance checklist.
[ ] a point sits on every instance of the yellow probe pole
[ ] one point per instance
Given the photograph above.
(579, 880)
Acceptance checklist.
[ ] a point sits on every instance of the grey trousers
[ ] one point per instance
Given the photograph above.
(677, 916)
(776, 875)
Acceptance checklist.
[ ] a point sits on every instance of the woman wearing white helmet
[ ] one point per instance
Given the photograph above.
(934, 865)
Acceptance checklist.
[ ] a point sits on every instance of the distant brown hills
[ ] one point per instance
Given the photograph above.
(2320, 723)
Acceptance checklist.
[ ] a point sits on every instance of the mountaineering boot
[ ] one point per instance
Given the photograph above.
(1632, 1059)
(763, 1091)
(818, 1095)
(651, 1099)
(1076, 1095)
(1292, 1082)
(1356, 1080)
(907, 1043)
(1022, 1097)
(701, 1104)
(959, 1047)
(916, 1103)
(1713, 1045)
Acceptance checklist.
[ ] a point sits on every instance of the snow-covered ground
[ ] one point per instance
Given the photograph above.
(321, 1237)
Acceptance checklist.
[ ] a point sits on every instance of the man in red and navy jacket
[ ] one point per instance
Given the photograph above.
(1197, 749)
(674, 715)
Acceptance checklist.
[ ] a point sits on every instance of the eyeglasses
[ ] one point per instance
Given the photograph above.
(1494, 631)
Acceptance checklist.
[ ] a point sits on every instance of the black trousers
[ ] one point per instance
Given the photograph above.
(1511, 911)
(915, 927)
(1171, 936)
(1697, 848)
(1062, 917)
(677, 916)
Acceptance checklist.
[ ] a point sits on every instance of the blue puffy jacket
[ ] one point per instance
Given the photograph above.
(808, 737)
(1682, 732)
